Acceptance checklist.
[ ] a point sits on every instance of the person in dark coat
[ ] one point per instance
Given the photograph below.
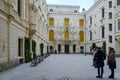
(99, 58)
(111, 61)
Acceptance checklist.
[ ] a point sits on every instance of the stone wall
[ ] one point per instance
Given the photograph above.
(7, 65)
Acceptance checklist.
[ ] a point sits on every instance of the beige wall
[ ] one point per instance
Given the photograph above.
(3, 40)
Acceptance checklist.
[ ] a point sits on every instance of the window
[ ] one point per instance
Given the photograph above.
(90, 35)
(75, 11)
(119, 25)
(20, 47)
(90, 20)
(66, 35)
(103, 13)
(51, 21)
(51, 10)
(110, 4)
(103, 32)
(118, 2)
(81, 23)
(110, 39)
(81, 36)
(51, 35)
(110, 15)
(66, 22)
(19, 7)
(110, 27)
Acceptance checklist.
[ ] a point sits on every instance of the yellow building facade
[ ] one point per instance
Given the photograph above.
(68, 29)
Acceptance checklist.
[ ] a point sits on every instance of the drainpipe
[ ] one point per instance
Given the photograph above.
(84, 13)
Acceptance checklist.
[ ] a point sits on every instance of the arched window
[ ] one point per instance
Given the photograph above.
(51, 35)
(66, 35)
(81, 36)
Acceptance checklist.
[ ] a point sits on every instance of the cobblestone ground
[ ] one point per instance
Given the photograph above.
(59, 67)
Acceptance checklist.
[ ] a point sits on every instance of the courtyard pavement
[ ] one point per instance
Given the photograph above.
(60, 67)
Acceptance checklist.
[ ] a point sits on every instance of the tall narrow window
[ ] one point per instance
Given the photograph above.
(103, 32)
(118, 25)
(110, 4)
(51, 21)
(81, 23)
(110, 27)
(51, 35)
(110, 15)
(118, 2)
(19, 7)
(81, 36)
(110, 39)
(90, 35)
(90, 20)
(103, 13)
(66, 35)
(20, 47)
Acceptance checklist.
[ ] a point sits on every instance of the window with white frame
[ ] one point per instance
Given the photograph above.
(110, 4)
(110, 15)
(110, 38)
(103, 13)
(110, 26)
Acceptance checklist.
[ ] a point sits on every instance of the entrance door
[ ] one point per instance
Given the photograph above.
(66, 48)
(51, 49)
(59, 48)
(20, 49)
(82, 49)
(74, 48)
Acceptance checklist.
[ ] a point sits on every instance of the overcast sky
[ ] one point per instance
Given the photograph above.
(82, 3)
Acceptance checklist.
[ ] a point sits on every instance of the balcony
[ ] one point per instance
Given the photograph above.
(68, 40)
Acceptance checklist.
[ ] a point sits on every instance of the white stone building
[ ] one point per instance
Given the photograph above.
(117, 25)
(66, 28)
(23, 28)
(26, 26)
(101, 25)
